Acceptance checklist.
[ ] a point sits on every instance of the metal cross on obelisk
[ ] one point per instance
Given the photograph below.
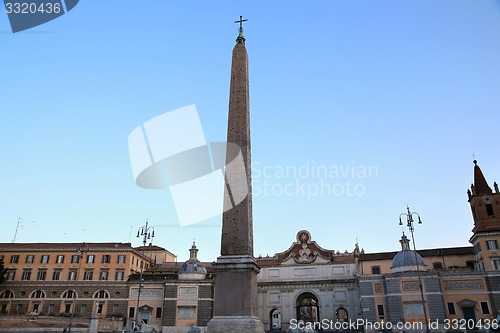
(240, 21)
(240, 35)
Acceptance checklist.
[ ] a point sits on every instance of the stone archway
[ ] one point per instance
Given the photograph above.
(307, 306)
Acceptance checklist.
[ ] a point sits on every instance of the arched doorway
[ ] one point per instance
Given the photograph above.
(307, 307)
(275, 320)
(6, 297)
(342, 315)
(101, 298)
(36, 302)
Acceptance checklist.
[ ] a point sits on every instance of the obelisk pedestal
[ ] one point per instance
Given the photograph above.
(236, 299)
(235, 308)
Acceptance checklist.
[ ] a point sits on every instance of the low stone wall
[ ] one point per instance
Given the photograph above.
(8, 322)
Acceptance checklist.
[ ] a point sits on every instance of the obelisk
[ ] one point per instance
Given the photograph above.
(235, 309)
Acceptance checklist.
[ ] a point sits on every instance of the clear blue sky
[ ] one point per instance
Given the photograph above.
(409, 88)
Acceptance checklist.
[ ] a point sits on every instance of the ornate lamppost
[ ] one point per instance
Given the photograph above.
(409, 223)
(83, 249)
(146, 233)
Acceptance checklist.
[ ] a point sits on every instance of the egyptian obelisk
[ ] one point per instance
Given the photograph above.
(235, 309)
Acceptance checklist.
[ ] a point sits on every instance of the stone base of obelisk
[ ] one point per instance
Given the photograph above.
(235, 296)
(235, 324)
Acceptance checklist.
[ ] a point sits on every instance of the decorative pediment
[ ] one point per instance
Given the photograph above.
(304, 251)
(467, 303)
(145, 308)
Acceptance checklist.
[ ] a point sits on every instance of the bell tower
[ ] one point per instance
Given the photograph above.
(485, 207)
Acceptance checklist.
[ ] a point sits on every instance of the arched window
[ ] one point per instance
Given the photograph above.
(6, 294)
(69, 294)
(38, 294)
(307, 307)
(101, 294)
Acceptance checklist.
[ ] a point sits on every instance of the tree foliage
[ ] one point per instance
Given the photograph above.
(3, 271)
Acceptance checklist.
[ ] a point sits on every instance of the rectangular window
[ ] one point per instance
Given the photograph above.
(158, 312)
(496, 264)
(87, 275)
(119, 275)
(26, 275)
(42, 274)
(375, 269)
(60, 259)
(56, 275)
(489, 210)
(67, 308)
(99, 307)
(10, 275)
(14, 259)
(131, 312)
(437, 265)
(121, 258)
(30, 259)
(72, 275)
(106, 258)
(451, 308)
(103, 276)
(75, 259)
(380, 310)
(478, 248)
(44, 259)
(484, 308)
(90, 259)
(492, 244)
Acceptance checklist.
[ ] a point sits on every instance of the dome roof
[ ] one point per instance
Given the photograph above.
(192, 269)
(407, 260)
(192, 266)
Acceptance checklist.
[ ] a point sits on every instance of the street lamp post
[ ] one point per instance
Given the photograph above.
(411, 227)
(81, 251)
(146, 233)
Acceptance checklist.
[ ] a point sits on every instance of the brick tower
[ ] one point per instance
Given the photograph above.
(485, 206)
